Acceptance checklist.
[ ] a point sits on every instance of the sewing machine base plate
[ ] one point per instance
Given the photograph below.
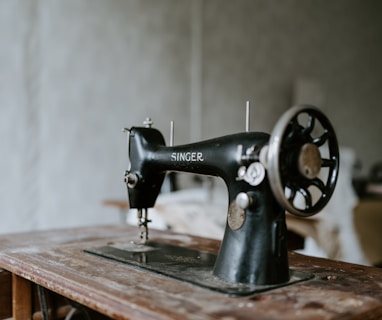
(184, 264)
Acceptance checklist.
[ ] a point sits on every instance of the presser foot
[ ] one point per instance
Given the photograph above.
(185, 264)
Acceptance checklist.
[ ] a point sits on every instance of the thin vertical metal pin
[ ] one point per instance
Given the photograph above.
(247, 117)
(171, 133)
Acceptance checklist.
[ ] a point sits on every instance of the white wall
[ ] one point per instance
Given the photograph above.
(74, 72)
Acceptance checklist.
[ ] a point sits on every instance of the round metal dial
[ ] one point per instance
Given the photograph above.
(303, 160)
(236, 216)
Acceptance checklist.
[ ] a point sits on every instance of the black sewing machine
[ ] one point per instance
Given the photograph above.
(294, 169)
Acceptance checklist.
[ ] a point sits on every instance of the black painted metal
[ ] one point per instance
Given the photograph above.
(254, 254)
(185, 264)
(257, 252)
(296, 136)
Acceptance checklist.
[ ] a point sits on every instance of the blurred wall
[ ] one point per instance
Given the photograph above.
(73, 73)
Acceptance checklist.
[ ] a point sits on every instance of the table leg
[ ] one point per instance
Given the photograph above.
(5, 294)
(21, 298)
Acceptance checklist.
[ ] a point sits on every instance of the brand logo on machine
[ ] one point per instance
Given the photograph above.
(187, 156)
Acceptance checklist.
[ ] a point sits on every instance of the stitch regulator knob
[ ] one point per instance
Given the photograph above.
(243, 200)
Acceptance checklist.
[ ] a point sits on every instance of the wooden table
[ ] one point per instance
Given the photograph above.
(56, 261)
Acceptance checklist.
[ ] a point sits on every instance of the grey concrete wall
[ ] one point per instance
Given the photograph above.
(74, 72)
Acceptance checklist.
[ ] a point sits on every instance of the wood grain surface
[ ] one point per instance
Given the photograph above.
(55, 260)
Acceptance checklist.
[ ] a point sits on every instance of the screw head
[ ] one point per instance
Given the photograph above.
(148, 122)
(131, 179)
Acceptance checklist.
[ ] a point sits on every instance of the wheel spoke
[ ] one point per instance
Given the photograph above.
(288, 136)
(319, 184)
(322, 139)
(328, 163)
(292, 195)
(307, 196)
(295, 124)
(292, 129)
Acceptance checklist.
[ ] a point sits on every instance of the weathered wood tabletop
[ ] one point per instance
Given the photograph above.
(55, 260)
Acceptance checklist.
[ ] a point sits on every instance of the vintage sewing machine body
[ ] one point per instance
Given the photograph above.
(294, 169)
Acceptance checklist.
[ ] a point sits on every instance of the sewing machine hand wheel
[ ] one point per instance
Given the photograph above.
(303, 160)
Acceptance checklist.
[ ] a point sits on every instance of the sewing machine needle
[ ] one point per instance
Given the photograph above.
(143, 222)
(146, 225)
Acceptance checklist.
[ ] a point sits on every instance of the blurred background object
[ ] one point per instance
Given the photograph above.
(74, 73)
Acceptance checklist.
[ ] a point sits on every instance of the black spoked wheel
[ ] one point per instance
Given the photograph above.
(303, 160)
